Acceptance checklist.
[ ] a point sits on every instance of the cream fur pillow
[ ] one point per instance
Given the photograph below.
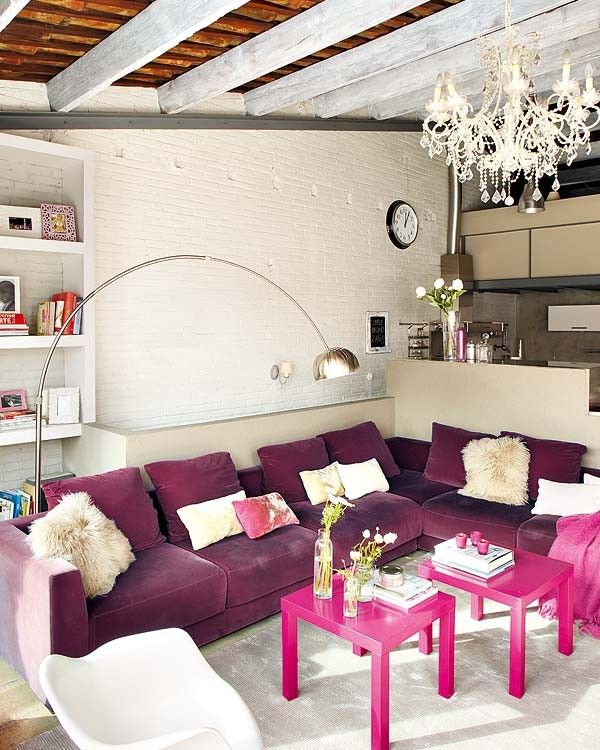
(320, 483)
(362, 478)
(497, 469)
(80, 533)
(212, 520)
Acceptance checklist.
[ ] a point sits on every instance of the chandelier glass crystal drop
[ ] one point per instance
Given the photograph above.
(514, 133)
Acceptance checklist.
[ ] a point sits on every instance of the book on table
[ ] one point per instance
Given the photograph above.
(444, 567)
(470, 560)
(412, 592)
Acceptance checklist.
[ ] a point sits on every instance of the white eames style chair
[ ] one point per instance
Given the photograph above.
(152, 691)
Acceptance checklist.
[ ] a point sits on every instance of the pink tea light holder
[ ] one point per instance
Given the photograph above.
(461, 540)
(483, 546)
(476, 536)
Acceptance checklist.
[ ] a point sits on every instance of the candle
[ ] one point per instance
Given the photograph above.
(566, 66)
(461, 540)
(483, 546)
(439, 83)
(589, 77)
(475, 537)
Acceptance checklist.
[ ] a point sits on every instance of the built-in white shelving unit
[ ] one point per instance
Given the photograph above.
(72, 175)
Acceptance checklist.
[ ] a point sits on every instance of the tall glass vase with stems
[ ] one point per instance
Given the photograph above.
(450, 326)
(351, 595)
(323, 578)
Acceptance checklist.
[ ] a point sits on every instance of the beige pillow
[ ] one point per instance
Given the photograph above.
(497, 469)
(76, 531)
(322, 482)
(212, 520)
(362, 478)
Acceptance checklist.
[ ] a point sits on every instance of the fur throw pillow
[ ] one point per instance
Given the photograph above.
(497, 469)
(78, 532)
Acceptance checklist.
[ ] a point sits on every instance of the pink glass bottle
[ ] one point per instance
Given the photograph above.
(461, 344)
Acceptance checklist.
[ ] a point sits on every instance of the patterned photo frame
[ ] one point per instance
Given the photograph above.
(58, 222)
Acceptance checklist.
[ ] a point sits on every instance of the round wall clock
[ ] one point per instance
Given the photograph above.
(402, 224)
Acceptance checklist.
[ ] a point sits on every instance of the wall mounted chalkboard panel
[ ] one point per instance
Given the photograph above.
(377, 332)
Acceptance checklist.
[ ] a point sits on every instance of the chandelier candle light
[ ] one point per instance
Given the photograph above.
(444, 298)
(515, 133)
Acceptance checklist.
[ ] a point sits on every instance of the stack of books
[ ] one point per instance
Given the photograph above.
(14, 503)
(14, 420)
(13, 324)
(448, 556)
(412, 592)
(53, 312)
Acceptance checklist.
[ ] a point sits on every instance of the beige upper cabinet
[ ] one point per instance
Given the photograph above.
(501, 255)
(566, 251)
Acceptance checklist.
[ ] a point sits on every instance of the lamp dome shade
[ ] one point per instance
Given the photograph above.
(334, 363)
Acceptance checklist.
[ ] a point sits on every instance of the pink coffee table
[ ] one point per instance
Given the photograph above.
(531, 577)
(379, 628)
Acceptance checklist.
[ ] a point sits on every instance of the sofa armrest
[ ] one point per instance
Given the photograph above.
(24, 522)
(43, 609)
(409, 453)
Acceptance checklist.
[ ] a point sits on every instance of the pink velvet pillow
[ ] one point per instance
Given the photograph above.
(445, 461)
(261, 515)
(360, 443)
(189, 481)
(122, 497)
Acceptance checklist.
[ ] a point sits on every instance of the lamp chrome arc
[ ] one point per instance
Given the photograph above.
(332, 360)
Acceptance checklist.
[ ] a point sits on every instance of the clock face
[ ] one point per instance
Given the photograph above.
(402, 224)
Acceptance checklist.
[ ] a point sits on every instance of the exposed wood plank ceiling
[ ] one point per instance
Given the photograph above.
(352, 53)
(47, 35)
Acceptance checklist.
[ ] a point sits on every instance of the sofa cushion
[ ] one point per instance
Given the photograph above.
(262, 515)
(556, 460)
(122, 497)
(283, 463)
(389, 512)
(446, 515)
(445, 461)
(415, 486)
(189, 481)
(537, 534)
(257, 567)
(360, 443)
(165, 587)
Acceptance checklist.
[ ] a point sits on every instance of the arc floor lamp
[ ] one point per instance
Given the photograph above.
(331, 363)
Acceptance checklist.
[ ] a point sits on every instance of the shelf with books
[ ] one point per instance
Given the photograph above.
(42, 342)
(20, 436)
(42, 246)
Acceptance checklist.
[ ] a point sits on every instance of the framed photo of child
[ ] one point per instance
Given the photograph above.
(10, 294)
(58, 222)
(15, 400)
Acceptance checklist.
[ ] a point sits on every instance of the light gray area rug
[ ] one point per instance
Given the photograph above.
(560, 708)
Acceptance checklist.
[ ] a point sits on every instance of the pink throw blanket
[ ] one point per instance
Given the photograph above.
(578, 542)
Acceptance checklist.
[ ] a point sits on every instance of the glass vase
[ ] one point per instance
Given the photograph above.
(351, 594)
(323, 570)
(366, 579)
(450, 326)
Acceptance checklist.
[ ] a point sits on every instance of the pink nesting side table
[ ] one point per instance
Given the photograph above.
(378, 628)
(531, 577)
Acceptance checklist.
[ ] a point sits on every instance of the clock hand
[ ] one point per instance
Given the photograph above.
(405, 219)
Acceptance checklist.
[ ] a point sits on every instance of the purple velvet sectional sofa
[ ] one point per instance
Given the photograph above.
(237, 581)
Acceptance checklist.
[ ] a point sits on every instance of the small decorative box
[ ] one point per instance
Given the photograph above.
(391, 576)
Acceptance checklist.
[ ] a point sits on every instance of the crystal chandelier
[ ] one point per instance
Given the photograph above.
(514, 133)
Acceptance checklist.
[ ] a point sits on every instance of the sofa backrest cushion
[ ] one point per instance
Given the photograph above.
(122, 497)
(188, 481)
(283, 463)
(555, 460)
(358, 444)
(445, 461)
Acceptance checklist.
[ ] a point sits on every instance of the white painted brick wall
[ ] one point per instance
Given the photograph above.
(183, 342)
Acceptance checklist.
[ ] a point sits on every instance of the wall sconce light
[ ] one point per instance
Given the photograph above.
(282, 372)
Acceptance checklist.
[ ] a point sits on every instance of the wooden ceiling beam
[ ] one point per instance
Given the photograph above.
(543, 16)
(330, 22)
(455, 25)
(153, 31)
(9, 9)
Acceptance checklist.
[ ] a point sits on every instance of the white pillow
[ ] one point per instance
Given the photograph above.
(566, 499)
(212, 520)
(320, 483)
(591, 479)
(360, 479)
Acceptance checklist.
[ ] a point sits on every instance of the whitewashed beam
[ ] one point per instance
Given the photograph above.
(461, 23)
(9, 9)
(308, 32)
(470, 83)
(153, 31)
(563, 23)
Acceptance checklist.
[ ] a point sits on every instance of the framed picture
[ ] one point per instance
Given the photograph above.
(15, 400)
(58, 222)
(377, 332)
(20, 220)
(10, 294)
(63, 405)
